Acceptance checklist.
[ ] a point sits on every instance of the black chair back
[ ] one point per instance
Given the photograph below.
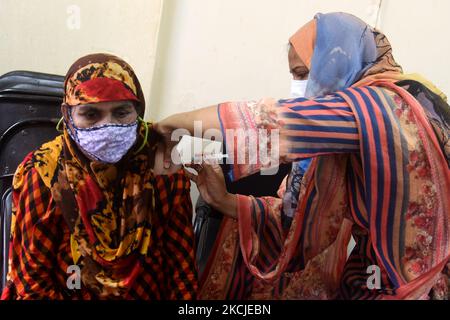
(30, 110)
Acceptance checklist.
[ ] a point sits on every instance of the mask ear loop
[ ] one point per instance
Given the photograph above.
(145, 135)
(58, 125)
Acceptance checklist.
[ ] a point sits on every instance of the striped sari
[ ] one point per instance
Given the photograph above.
(378, 173)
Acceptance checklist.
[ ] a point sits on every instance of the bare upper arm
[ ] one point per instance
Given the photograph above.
(158, 165)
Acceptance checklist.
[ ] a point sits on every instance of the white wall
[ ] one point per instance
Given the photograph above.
(214, 51)
(208, 51)
(45, 35)
(418, 31)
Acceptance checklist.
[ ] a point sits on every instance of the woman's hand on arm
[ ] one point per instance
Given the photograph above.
(211, 185)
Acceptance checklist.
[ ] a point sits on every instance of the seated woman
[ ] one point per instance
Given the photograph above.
(98, 198)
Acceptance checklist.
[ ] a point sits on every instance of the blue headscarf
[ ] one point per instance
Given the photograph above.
(344, 49)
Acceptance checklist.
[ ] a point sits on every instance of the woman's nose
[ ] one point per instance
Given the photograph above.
(108, 119)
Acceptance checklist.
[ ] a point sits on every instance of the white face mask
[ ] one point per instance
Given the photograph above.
(298, 88)
(106, 143)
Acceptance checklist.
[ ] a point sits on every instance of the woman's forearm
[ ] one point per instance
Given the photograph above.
(208, 117)
(227, 205)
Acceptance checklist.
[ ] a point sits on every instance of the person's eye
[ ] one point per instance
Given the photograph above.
(302, 75)
(122, 113)
(90, 115)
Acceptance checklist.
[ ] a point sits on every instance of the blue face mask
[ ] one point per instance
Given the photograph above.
(106, 143)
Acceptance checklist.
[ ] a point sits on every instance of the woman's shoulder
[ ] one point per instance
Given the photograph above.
(172, 191)
(41, 161)
(171, 183)
(158, 163)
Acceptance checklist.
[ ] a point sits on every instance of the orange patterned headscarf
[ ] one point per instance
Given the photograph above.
(101, 78)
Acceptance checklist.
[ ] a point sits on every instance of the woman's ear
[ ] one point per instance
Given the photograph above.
(65, 109)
